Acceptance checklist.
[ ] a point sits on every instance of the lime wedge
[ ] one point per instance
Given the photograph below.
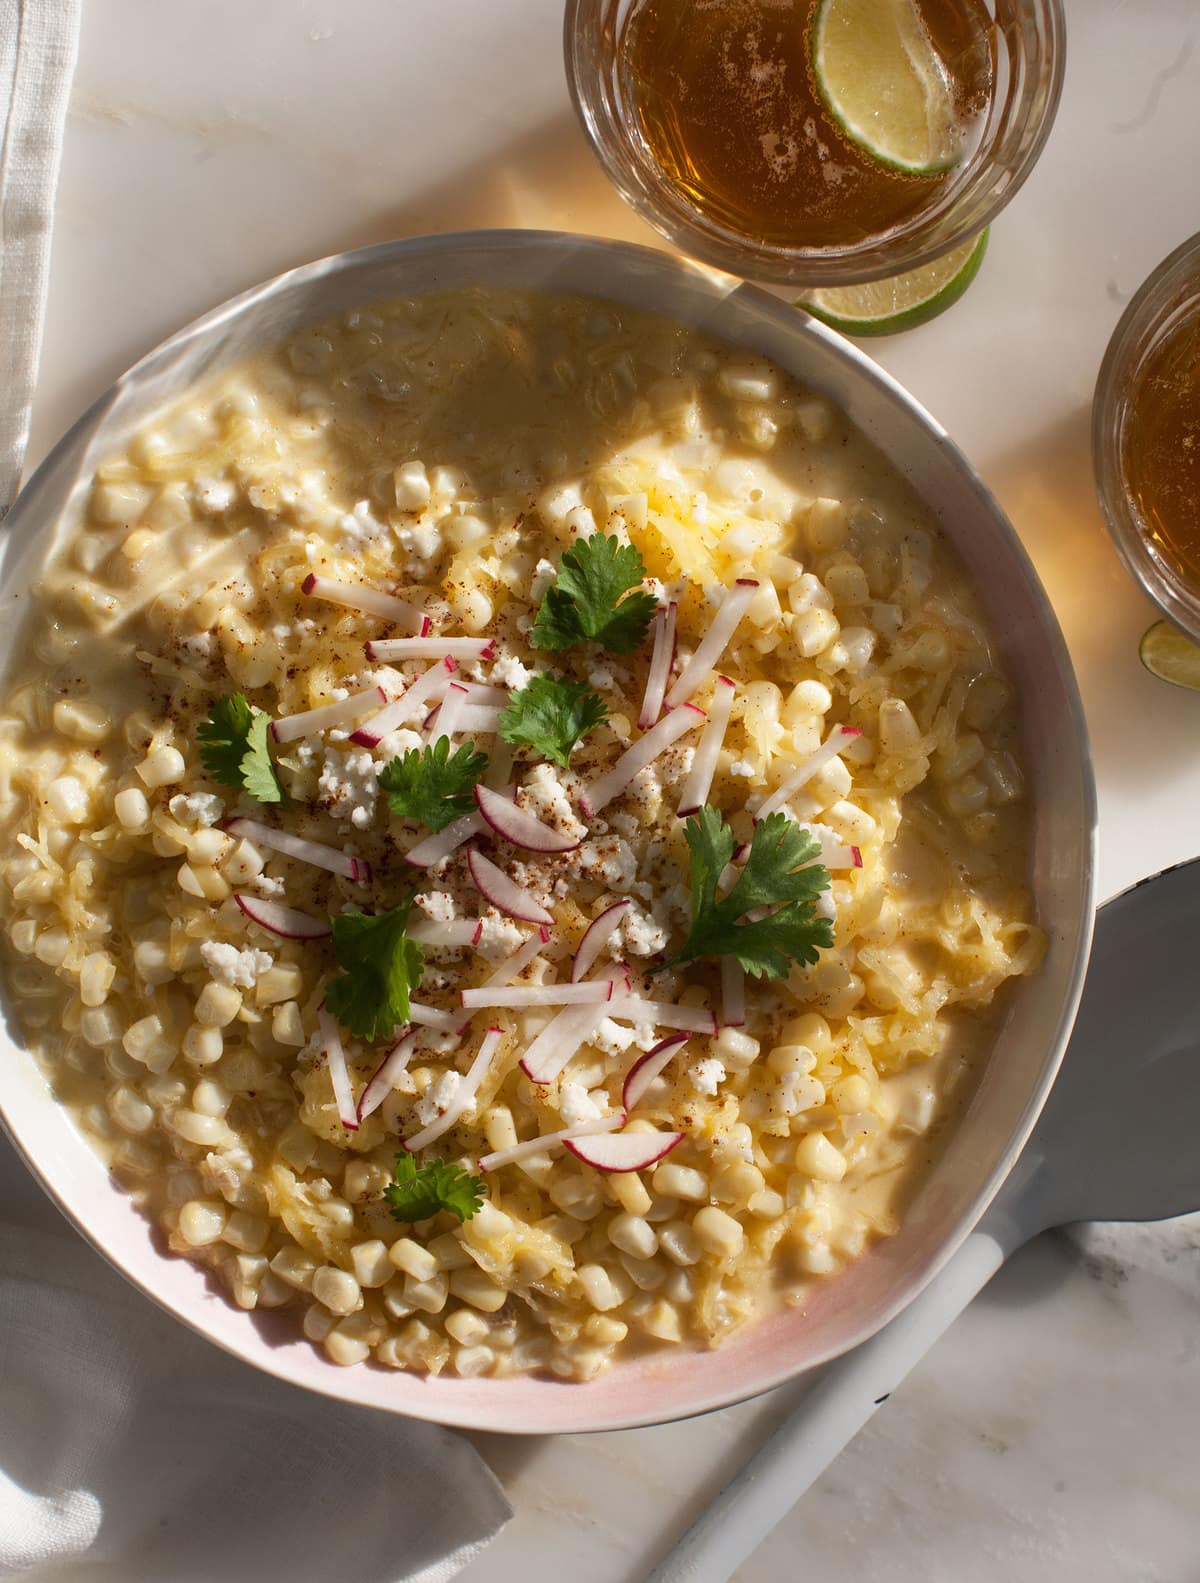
(884, 83)
(1166, 653)
(885, 307)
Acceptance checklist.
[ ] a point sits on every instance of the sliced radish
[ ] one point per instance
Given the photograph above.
(593, 993)
(445, 932)
(839, 738)
(559, 1039)
(429, 685)
(440, 845)
(430, 648)
(304, 851)
(712, 645)
(623, 1151)
(432, 1017)
(335, 1057)
(283, 921)
(664, 1014)
(643, 1072)
(358, 596)
(383, 1080)
(594, 936)
(463, 1095)
(478, 719)
(551, 1140)
(513, 966)
(733, 992)
(484, 694)
(522, 829)
(661, 658)
(444, 721)
(644, 751)
(311, 721)
(696, 788)
(503, 892)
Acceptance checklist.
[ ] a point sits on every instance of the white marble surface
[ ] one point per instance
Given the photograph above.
(1052, 1433)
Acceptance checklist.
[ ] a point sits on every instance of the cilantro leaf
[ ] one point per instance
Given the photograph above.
(427, 784)
(234, 748)
(380, 965)
(593, 598)
(779, 872)
(420, 1191)
(552, 715)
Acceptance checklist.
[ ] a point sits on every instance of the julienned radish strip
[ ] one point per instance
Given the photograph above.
(708, 750)
(358, 596)
(445, 932)
(712, 645)
(643, 1071)
(664, 1014)
(513, 966)
(383, 1079)
(644, 751)
(550, 1140)
(478, 719)
(623, 1151)
(594, 936)
(430, 648)
(495, 885)
(661, 659)
(592, 993)
(559, 1040)
(311, 721)
(463, 1094)
(335, 1059)
(432, 1017)
(440, 845)
(286, 922)
(840, 737)
(733, 992)
(313, 852)
(444, 721)
(834, 854)
(484, 694)
(412, 701)
(513, 824)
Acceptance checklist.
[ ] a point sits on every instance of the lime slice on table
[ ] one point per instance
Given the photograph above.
(1166, 653)
(884, 83)
(884, 307)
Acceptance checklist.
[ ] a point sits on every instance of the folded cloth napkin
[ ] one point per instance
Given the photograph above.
(133, 1451)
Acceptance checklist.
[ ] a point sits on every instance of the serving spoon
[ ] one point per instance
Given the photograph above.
(1137, 1035)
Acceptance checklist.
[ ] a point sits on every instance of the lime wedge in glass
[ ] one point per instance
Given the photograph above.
(885, 307)
(1166, 653)
(884, 83)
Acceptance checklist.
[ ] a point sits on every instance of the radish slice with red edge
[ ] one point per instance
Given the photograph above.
(643, 1071)
(430, 648)
(440, 845)
(463, 1094)
(513, 966)
(563, 1034)
(445, 932)
(335, 1057)
(551, 1140)
(663, 1014)
(661, 658)
(592, 993)
(712, 645)
(495, 885)
(429, 685)
(286, 922)
(303, 851)
(513, 824)
(708, 750)
(383, 1079)
(644, 751)
(623, 1151)
(311, 721)
(840, 737)
(478, 720)
(444, 721)
(483, 693)
(733, 992)
(358, 596)
(594, 936)
(432, 1017)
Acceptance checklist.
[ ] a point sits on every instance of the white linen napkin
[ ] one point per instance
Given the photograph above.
(131, 1451)
(38, 44)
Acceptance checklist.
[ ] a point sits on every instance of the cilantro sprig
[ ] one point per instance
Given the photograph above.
(430, 785)
(779, 872)
(596, 597)
(552, 715)
(380, 965)
(235, 750)
(418, 1192)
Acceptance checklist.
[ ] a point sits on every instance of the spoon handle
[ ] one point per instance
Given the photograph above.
(827, 1416)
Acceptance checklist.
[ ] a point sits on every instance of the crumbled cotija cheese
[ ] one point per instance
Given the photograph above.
(437, 1097)
(348, 785)
(238, 969)
(706, 1076)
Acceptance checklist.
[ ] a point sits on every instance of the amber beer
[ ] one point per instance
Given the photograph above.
(1160, 453)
